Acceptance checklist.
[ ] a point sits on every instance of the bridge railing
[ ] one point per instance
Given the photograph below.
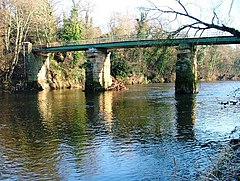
(109, 39)
(124, 38)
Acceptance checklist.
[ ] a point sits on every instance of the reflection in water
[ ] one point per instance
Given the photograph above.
(99, 107)
(105, 105)
(45, 106)
(75, 121)
(62, 111)
(185, 116)
(23, 140)
(144, 133)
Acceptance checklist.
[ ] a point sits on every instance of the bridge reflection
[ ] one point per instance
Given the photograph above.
(61, 133)
(99, 108)
(185, 116)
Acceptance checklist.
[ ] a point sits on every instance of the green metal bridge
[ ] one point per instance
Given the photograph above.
(133, 41)
(98, 73)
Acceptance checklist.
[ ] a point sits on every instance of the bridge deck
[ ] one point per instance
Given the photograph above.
(219, 40)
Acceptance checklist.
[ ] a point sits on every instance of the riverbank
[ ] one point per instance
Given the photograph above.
(227, 165)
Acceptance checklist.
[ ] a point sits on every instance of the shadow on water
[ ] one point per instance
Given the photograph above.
(185, 117)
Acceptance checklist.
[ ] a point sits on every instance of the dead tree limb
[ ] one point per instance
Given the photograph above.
(197, 24)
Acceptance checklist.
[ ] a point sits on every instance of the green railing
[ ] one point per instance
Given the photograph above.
(128, 38)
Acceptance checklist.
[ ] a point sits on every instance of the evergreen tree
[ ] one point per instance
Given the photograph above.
(72, 27)
(72, 31)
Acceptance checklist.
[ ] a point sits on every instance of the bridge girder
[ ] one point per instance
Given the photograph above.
(221, 40)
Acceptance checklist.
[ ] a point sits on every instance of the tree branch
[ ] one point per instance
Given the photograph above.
(179, 1)
(198, 24)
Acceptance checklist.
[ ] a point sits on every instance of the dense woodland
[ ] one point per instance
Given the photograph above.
(36, 21)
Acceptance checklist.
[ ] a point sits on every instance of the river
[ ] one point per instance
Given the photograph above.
(143, 133)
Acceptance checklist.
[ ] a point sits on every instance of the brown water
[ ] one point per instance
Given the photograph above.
(144, 133)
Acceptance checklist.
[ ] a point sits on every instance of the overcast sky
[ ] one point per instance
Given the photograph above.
(104, 9)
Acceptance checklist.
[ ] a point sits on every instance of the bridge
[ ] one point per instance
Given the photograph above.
(98, 76)
(134, 41)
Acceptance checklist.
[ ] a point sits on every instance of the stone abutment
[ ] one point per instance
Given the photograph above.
(37, 66)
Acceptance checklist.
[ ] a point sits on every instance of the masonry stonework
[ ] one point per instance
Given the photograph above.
(37, 66)
(186, 70)
(98, 77)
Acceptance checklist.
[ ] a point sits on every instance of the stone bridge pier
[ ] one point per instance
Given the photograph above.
(98, 77)
(37, 66)
(98, 72)
(186, 70)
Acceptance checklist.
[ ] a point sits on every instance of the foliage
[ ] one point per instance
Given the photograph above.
(62, 75)
(44, 26)
(236, 62)
(71, 31)
(120, 69)
(142, 25)
(72, 27)
(161, 64)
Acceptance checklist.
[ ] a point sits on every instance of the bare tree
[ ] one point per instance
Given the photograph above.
(18, 17)
(196, 24)
(121, 24)
(43, 24)
(89, 30)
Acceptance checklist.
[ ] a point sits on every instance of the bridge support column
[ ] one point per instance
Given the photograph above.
(98, 77)
(186, 70)
(36, 68)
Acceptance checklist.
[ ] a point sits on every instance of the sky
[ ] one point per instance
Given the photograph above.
(104, 9)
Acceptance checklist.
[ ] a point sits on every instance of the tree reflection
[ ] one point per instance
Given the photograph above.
(63, 112)
(185, 116)
(23, 143)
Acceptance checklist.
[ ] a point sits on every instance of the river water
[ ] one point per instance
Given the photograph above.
(143, 133)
